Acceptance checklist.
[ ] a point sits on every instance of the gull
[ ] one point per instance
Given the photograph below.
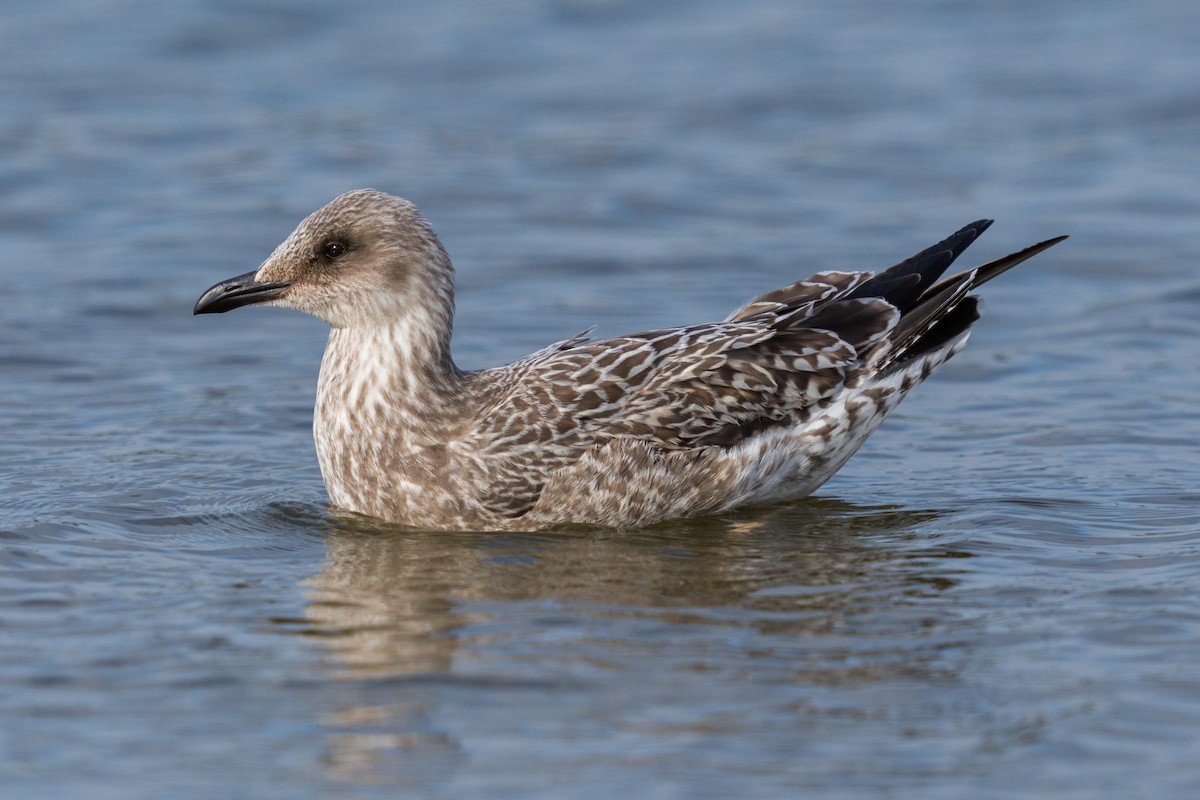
(761, 407)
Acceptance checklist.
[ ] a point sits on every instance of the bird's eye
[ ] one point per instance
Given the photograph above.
(335, 250)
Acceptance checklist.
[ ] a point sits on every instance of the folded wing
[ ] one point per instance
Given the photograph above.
(776, 361)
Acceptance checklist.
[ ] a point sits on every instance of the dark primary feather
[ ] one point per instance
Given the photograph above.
(998, 267)
(895, 284)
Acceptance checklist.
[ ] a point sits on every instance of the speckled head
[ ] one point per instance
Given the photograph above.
(364, 259)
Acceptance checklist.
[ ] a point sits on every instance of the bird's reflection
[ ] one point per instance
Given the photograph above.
(443, 611)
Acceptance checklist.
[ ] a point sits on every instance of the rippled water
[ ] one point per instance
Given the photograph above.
(996, 597)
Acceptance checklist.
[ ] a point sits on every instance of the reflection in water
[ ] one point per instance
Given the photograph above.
(807, 594)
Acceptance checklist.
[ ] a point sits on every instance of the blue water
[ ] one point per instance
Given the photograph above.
(995, 598)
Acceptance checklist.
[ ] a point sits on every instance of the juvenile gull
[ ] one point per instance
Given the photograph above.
(763, 406)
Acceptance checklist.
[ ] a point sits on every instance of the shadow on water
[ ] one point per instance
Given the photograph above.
(813, 596)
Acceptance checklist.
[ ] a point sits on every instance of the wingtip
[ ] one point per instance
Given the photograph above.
(990, 270)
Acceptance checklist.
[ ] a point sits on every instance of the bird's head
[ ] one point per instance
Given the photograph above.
(364, 259)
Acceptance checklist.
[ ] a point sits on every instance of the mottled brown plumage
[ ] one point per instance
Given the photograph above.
(763, 406)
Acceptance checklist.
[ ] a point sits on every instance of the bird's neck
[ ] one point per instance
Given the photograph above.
(388, 382)
(385, 394)
(383, 368)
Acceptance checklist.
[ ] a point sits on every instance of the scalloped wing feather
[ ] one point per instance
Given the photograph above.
(679, 388)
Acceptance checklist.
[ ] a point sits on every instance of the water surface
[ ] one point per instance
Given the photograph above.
(997, 596)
